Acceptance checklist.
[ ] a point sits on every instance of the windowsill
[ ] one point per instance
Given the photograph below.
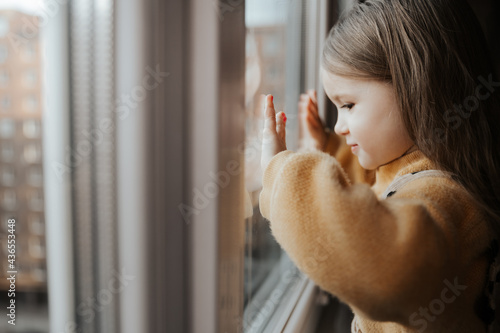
(288, 305)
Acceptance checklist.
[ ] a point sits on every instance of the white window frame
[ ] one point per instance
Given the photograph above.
(57, 187)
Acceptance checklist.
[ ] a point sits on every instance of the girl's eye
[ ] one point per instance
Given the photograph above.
(348, 106)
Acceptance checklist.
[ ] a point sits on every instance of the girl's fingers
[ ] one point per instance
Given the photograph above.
(274, 134)
(313, 108)
(302, 105)
(313, 95)
(309, 111)
(313, 121)
(270, 115)
(281, 126)
(309, 102)
(304, 98)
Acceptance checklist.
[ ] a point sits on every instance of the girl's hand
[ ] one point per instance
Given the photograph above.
(274, 135)
(308, 111)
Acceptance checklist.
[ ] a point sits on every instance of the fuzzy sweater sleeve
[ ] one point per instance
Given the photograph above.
(385, 258)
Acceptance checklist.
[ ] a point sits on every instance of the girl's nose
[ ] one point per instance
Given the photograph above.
(341, 127)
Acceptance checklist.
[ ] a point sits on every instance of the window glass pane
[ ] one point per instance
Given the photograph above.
(273, 63)
(21, 165)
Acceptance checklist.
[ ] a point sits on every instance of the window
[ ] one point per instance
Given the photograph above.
(275, 64)
(4, 77)
(30, 78)
(29, 52)
(4, 53)
(32, 153)
(34, 175)
(7, 151)
(97, 182)
(7, 176)
(5, 103)
(36, 224)
(7, 128)
(31, 128)
(21, 164)
(30, 103)
(9, 199)
(4, 26)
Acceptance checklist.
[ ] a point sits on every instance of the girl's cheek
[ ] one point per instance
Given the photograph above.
(356, 127)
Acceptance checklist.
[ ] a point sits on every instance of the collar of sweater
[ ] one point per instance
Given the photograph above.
(412, 162)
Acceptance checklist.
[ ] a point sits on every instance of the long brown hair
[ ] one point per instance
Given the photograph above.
(435, 55)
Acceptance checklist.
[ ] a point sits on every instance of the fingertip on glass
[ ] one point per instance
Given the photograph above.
(283, 116)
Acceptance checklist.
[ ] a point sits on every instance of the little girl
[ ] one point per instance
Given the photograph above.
(401, 223)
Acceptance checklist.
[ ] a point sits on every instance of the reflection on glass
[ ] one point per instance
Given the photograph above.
(267, 40)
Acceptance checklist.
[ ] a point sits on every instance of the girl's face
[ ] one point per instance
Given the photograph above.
(369, 118)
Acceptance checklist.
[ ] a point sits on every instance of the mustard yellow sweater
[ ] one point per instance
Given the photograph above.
(414, 262)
